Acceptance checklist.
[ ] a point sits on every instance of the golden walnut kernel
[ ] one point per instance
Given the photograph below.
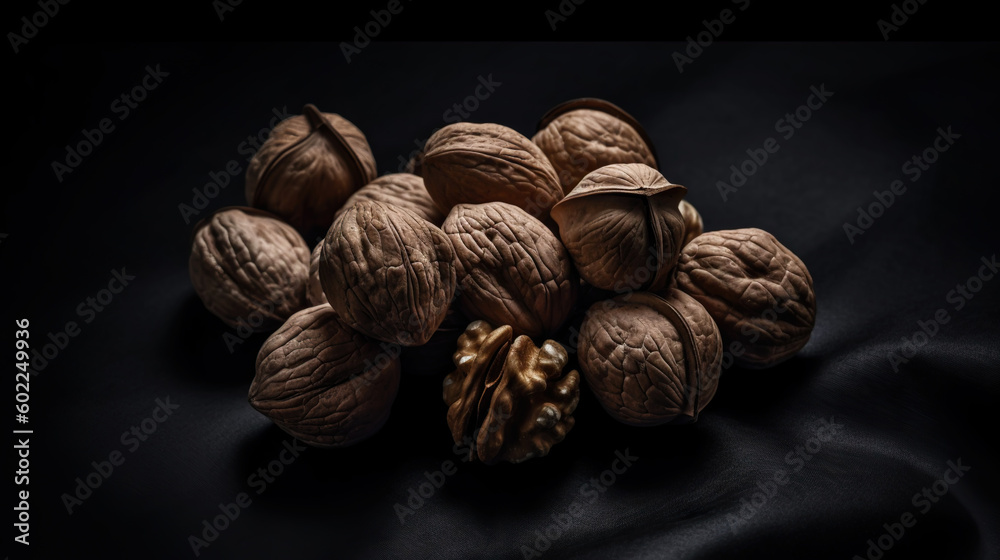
(512, 270)
(508, 400)
(477, 163)
(582, 135)
(760, 293)
(388, 272)
(247, 266)
(308, 167)
(323, 382)
(622, 227)
(651, 359)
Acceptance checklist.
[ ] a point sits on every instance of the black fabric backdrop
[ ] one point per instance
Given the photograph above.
(900, 426)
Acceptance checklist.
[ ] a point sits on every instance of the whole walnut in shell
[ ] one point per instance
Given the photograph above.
(512, 270)
(622, 227)
(477, 163)
(323, 382)
(760, 293)
(400, 189)
(509, 399)
(308, 167)
(582, 135)
(388, 272)
(249, 267)
(651, 359)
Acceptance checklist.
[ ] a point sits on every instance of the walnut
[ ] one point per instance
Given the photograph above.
(248, 267)
(651, 359)
(693, 226)
(308, 167)
(434, 357)
(512, 270)
(760, 293)
(323, 382)
(388, 272)
(314, 289)
(477, 163)
(401, 189)
(509, 399)
(582, 135)
(622, 227)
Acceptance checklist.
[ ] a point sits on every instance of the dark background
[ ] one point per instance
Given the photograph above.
(119, 208)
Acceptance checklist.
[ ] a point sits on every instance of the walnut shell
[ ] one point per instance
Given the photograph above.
(388, 272)
(400, 189)
(651, 359)
(477, 163)
(693, 226)
(323, 382)
(512, 270)
(314, 288)
(760, 293)
(622, 227)
(248, 267)
(508, 398)
(582, 135)
(309, 165)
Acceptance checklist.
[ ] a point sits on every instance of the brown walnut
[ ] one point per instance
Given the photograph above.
(651, 359)
(323, 382)
(388, 272)
(582, 135)
(308, 167)
(400, 189)
(249, 268)
(508, 399)
(512, 270)
(477, 163)
(622, 227)
(760, 293)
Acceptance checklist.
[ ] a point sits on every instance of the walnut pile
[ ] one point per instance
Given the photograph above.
(509, 269)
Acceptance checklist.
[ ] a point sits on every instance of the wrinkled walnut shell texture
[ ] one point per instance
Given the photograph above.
(307, 174)
(512, 270)
(583, 140)
(651, 359)
(758, 292)
(244, 263)
(476, 163)
(400, 189)
(323, 382)
(388, 272)
(622, 227)
(508, 397)
(314, 289)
